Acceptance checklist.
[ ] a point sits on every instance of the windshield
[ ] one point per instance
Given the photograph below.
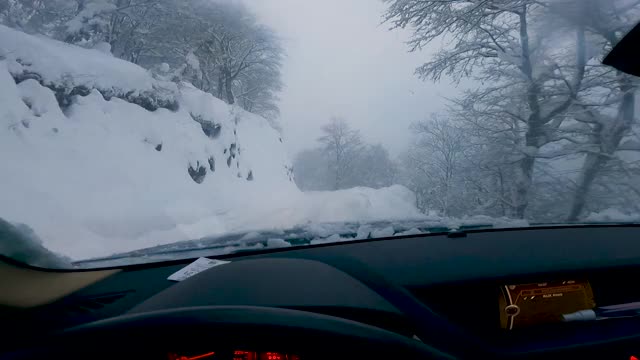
(137, 127)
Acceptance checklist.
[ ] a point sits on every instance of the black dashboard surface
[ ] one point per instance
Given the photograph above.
(276, 282)
(429, 260)
(456, 277)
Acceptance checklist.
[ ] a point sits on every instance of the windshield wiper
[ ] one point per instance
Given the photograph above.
(20, 243)
(303, 235)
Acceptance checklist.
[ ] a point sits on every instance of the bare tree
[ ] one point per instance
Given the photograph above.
(607, 111)
(18, 13)
(238, 59)
(258, 89)
(219, 47)
(237, 44)
(493, 41)
(344, 146)
(372, 168)
(438, 156)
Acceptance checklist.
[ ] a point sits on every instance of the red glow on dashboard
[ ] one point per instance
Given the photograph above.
(239, 355)
(201, 356)
(273, 356)
(197, 357)
(244, 355)
(633, 357)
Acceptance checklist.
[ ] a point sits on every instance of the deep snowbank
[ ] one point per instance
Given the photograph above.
(97, 157)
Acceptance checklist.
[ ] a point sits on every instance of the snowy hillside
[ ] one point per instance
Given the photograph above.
(97, 156)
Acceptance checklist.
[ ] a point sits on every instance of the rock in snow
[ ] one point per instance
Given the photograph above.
(97, 156)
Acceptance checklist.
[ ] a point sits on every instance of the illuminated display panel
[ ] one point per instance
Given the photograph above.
(545, 302)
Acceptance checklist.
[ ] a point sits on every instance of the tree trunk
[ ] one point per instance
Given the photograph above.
(607, 137)
(228, 82)
(592, 165)
(338, 178)
(523, 180)
(220, 87)
(339, 167)
(503, 211)
(524, 169)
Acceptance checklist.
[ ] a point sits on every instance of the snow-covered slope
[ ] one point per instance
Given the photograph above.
(97, 156)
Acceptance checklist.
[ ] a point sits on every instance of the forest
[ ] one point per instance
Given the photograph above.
(544, 132)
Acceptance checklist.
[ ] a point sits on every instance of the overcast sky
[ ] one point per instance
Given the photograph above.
(342, 62)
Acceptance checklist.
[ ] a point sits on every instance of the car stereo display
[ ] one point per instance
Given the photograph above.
(525, 305)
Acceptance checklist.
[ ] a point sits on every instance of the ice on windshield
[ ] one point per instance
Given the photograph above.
(129, 124)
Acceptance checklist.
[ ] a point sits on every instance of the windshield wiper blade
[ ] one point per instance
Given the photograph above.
(20, 243)
(303, 235)
(310, 234)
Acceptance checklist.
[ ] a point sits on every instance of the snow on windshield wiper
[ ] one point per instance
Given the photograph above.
(20, 243)
(309, 234)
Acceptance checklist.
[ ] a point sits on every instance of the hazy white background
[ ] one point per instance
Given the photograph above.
(342, 61)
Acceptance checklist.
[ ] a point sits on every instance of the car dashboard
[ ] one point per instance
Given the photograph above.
(500, 293)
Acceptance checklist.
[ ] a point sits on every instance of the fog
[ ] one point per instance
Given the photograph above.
(341, 61)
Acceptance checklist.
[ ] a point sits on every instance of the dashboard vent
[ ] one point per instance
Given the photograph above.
(87, 304)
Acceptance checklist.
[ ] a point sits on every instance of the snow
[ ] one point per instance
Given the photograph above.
(385, 232)
(88, 16)
(103, 47)
(277, 243)
(67, 65)
(412, 231)
(193, 61)
(364, 232)
(352, 205)
(331, 239)
(101, 176)
(612, 215)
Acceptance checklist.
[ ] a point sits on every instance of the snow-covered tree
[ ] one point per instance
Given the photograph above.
(343, 160)
(435, 164)
(18, 13)
(542, 98)
(218, 46)
(605, 112)
(258, 87)
(494, 42)
(123, 24)
(373, 168)
(343, 144)
(222, 49)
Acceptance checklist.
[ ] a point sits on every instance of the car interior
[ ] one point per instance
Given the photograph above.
(498, 293)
